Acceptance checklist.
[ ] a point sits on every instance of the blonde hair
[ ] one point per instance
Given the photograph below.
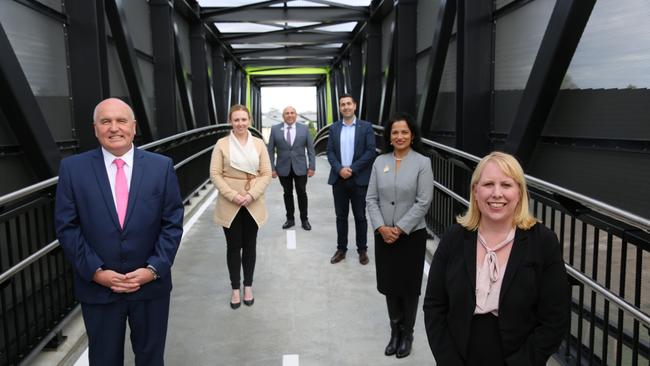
(239, 107)
(510, 167)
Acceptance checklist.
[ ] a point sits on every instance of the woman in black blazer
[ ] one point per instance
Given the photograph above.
(497, 292)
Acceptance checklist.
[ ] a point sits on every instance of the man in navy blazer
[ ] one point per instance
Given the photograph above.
(351, 152)
(291, 141)
(121, 250)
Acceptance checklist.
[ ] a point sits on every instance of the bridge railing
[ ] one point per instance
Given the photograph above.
(604, 250)
(36, 294)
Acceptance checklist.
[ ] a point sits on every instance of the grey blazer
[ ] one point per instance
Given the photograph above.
(291, 156)
(400, 199)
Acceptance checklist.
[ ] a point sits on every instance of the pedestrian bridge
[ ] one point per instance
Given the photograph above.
(308, 311)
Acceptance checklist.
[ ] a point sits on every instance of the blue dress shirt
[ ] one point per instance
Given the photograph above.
(347, 143)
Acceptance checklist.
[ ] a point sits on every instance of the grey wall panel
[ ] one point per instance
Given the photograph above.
(54, 4)
(39, 44)
(115, 74)
(506, 103)
(386, 40)
(426, 22)
(146, 70)
(518, 37)
(16, 175)
(58, 114)
(448, 80)
(601, 113)
(614, 51)
(444, 117)
(421, 65)
(139, 23)
(613, 177)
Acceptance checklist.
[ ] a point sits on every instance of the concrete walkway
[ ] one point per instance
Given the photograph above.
(326, 314)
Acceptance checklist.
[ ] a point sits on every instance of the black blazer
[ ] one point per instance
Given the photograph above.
(533, 303)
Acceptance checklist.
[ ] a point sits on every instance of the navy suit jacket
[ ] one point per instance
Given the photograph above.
(89, 232)
(364, 152)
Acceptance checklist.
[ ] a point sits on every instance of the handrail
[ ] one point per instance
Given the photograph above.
(27, 190)
(4, 276)
(179, 135)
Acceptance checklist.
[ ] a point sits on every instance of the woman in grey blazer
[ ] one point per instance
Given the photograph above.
(399, 195)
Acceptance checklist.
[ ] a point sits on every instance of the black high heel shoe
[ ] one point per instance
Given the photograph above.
(248, 302)
(235, 305)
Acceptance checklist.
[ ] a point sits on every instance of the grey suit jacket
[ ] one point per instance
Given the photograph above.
(291, 156)
(403, 198)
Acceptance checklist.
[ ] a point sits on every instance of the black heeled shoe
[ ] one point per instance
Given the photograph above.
(236, 305)
(405, 345)
(249, 302)
(393, 344)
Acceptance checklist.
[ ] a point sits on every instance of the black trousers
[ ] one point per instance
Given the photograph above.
(347, 193)
(241, 239)
(402, 311)
(300, 182)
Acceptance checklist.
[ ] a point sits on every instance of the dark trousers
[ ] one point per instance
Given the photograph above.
(106, 326)
(347, 193)
(300, 182)
(402, 311)
(241, 240)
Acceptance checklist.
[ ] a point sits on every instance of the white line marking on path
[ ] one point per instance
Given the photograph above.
(83, 359)
(290, 360)
(291, 239)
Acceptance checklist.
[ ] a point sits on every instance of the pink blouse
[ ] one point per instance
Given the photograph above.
(490, 268)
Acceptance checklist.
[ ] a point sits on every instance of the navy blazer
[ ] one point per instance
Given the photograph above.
(89, 232)
(291, 157)
(364, 152)
(534, 302)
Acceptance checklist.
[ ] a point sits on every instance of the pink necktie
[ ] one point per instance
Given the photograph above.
(121, 191)
(289, 135)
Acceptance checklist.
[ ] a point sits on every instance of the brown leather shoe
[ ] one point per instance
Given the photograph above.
(338, 256)
(363, 258)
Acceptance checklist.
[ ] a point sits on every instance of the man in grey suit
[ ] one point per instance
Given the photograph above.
(290, 140)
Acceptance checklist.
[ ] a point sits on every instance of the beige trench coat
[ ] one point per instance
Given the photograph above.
(230, 181)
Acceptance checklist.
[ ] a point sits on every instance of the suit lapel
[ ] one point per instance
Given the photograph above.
(137, 172)
(99, 168)
(519, 249)
(357, 138)
(469, 248)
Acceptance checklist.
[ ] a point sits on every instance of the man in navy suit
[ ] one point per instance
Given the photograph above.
(351, 152)
(119, 218)
(291, 141)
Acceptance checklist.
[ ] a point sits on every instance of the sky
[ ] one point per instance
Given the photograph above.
(301, 98)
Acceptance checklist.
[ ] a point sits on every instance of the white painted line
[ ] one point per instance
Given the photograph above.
(187, 227)
(426, 268)
(290, 360)
(83, 359)
(291, 239)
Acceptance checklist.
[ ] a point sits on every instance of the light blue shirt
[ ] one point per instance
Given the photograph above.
(347, 143)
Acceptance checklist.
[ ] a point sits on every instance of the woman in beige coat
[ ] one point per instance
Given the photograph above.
(240, 170)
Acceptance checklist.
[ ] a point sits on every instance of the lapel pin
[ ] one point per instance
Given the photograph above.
(386, 169)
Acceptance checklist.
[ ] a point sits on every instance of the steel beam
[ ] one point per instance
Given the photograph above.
(235, 81)
(315, 62)
(162, 37)
(294, 14)
(405, 55)
(219, 77)
(388, 81)
(436, 65)
(19, 105)
(200, 80)
(183, 88)
(129, 61)
(373, 76)
(355, 71)
(88, 70)
(292, 51)
(560, 41)
(475, 38)
(290, 38)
